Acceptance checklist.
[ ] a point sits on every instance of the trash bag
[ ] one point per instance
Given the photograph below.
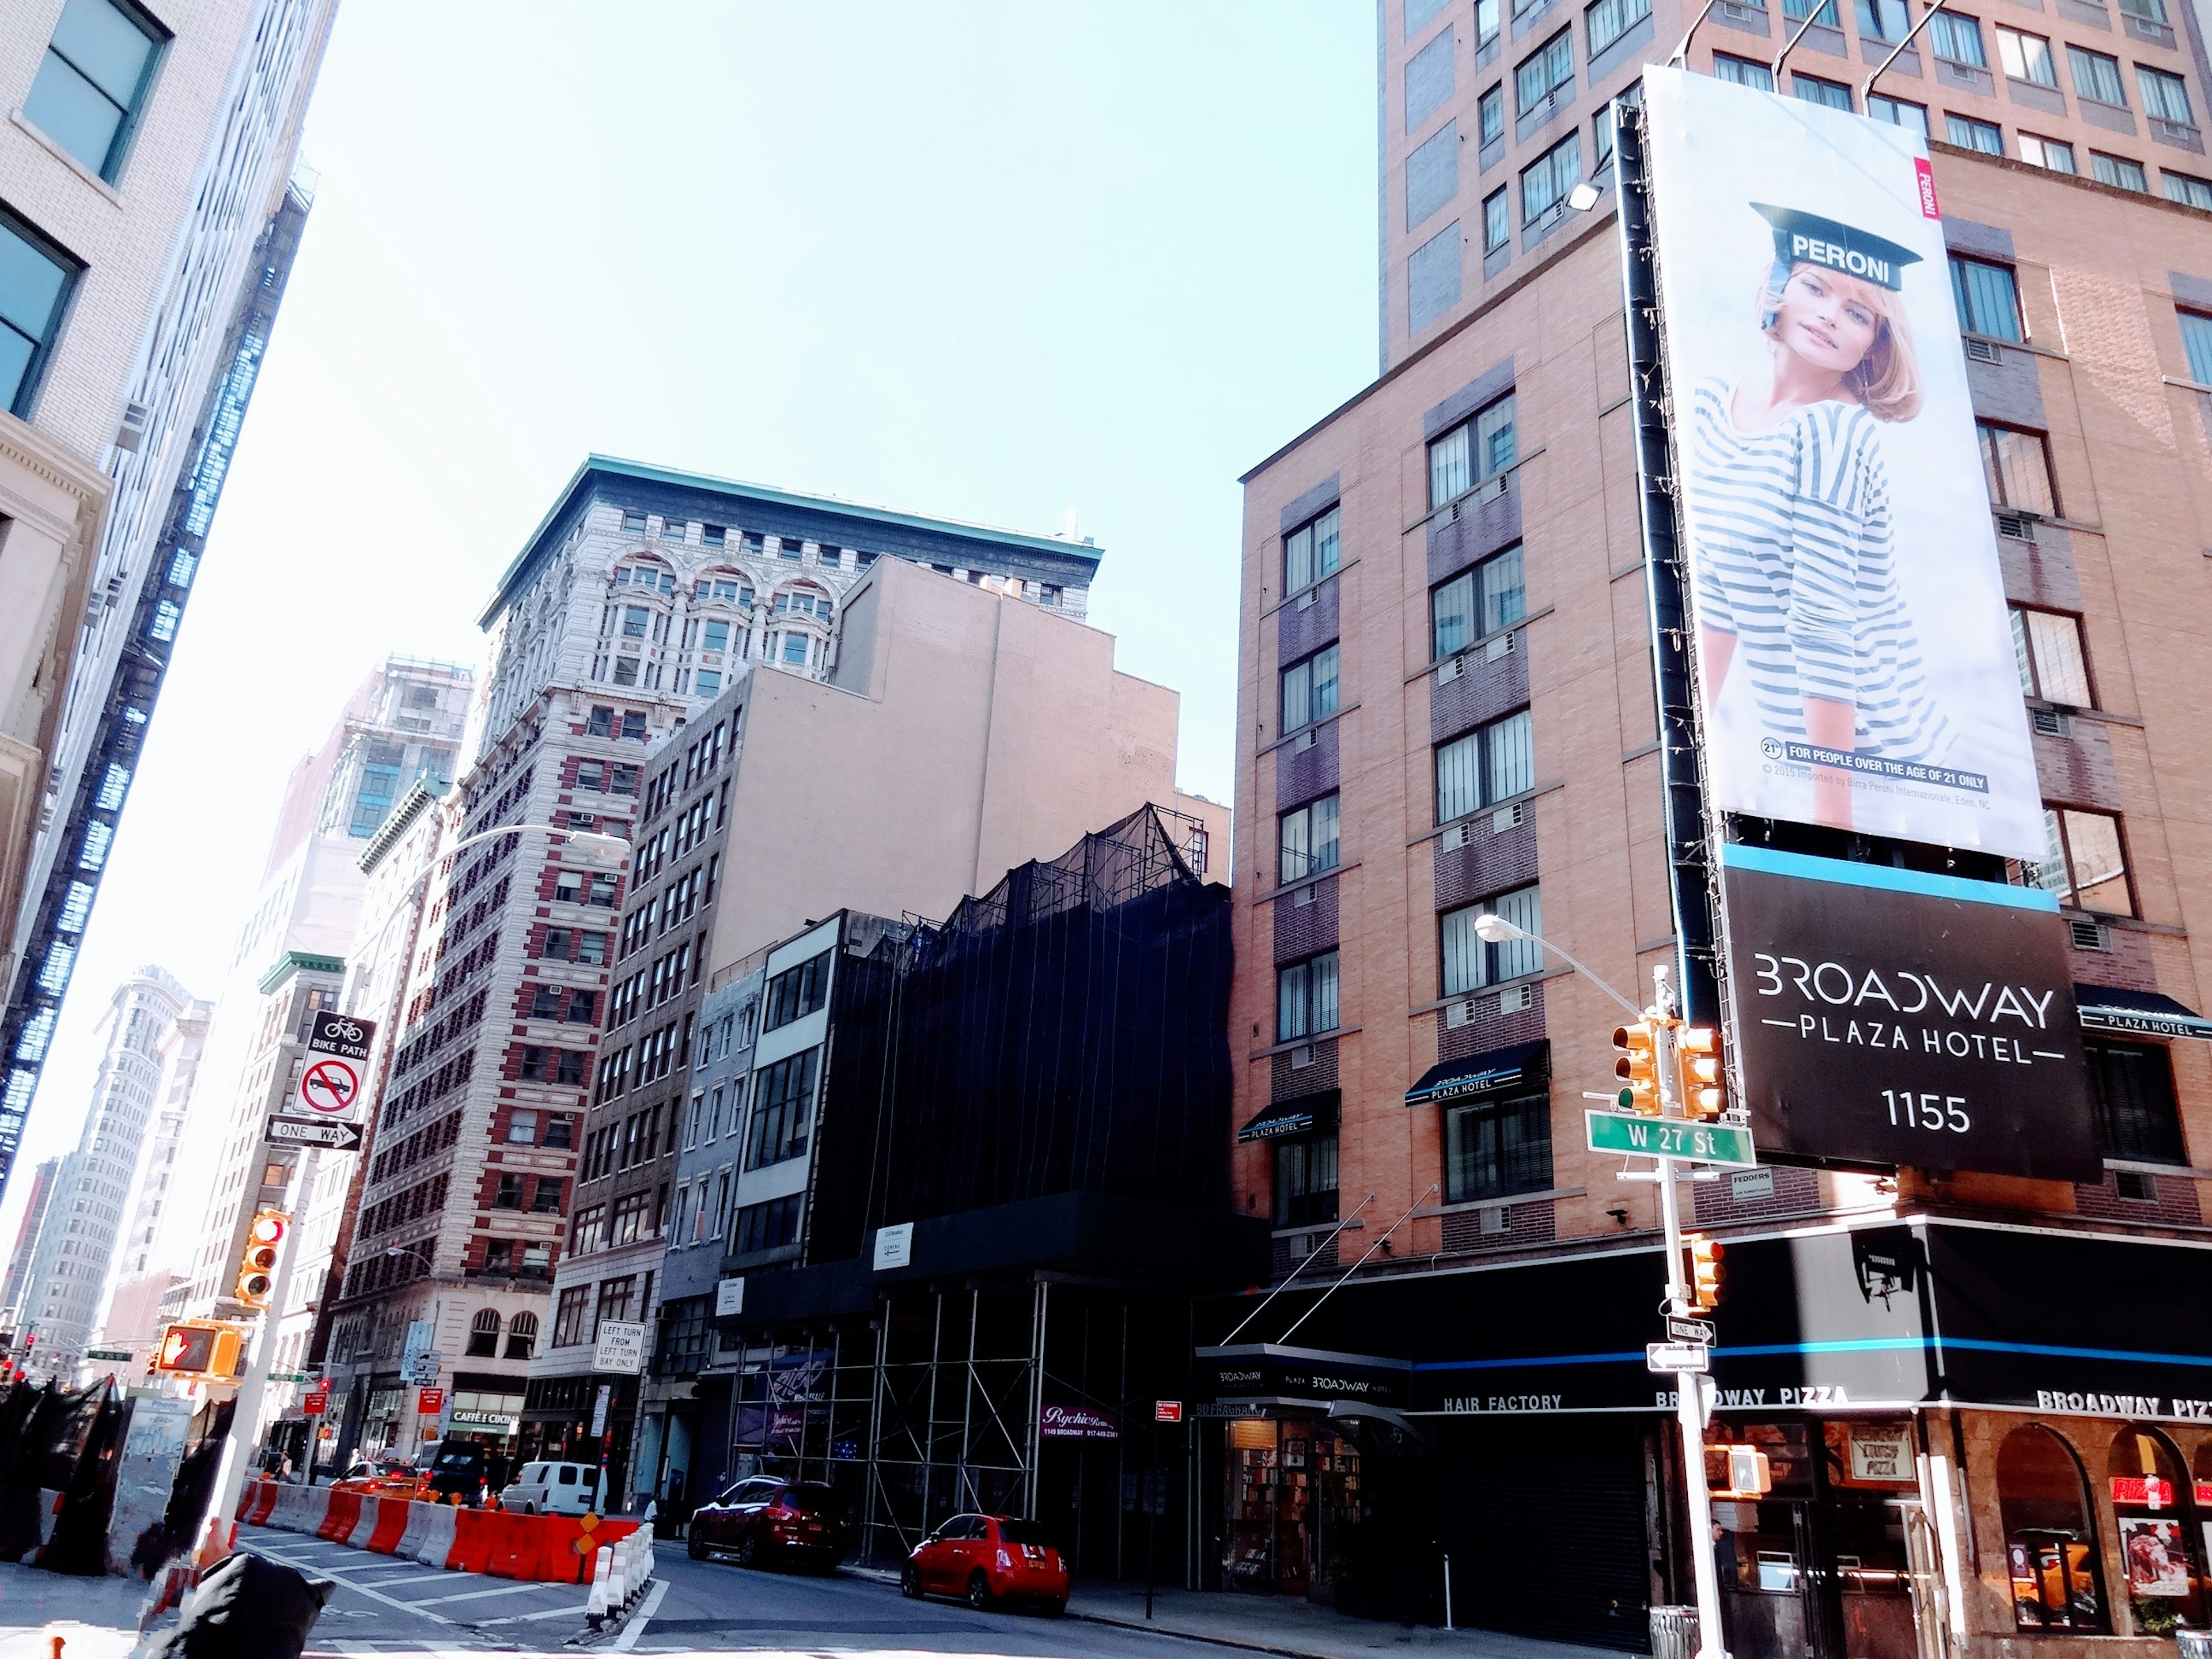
(247, 1608)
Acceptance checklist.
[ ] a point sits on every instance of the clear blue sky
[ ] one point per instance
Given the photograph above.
(989, 261)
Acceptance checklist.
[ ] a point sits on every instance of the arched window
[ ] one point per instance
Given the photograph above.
(522, 1336)
(2050, 1539)
(483, 1334)
(2153, 1506)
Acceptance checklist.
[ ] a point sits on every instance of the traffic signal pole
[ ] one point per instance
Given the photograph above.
(1689, 1389)
(245, 1414)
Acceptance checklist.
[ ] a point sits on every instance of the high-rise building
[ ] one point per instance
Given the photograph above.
(1449, 712)
(639, 598)
(19, 1256)
(85, 1217)
(140, 1278)
(147, 227)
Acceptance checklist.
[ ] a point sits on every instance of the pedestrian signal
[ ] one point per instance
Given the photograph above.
(1698, 1065)
(1637, 1068)
(201, 1349)
(257, 1269)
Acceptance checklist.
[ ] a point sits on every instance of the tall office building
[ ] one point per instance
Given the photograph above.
(146, 228)
(641, 598)
(1449, 711)
(86, 1214)
(139, 1278)
(27, 1232)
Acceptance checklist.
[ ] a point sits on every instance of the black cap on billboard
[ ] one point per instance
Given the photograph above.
(1806, 238)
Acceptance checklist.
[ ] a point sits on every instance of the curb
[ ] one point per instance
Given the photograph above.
(1156, 1629)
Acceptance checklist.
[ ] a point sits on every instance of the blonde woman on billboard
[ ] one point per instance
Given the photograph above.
(1796, 573)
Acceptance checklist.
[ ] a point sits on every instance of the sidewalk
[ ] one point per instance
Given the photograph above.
(96, 1618)
(1279, 1625)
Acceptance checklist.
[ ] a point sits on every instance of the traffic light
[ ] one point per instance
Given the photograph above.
(1637, 1068)
(1705, 1272)
(257, 1269)
(199, 1349)
(1698, 1065)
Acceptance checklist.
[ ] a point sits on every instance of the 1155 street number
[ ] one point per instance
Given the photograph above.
(1912, 1111)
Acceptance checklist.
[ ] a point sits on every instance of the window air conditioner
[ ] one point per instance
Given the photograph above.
(1507, 817)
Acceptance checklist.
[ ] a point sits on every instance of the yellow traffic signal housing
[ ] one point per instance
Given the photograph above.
(1704, 1271)
(1697, 1066)
(200, 1350)
(1637, 1068)
(257, 1268)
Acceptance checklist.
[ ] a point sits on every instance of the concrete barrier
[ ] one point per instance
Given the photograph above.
(538, 1548)
(433, 1545)
(389, 1525)
(344, 1508)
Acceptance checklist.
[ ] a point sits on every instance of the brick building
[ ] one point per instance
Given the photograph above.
(1447, 707)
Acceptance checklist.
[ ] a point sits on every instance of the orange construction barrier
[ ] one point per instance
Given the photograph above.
(391, 1522)
(339, 1519)
(518, 1545)
(257, 1501)
(572, 1540)
(472, 1541)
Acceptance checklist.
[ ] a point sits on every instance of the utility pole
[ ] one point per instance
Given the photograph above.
(245, 1413)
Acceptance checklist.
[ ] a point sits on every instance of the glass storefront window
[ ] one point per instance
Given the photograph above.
(2153, 1505)
(1293, 1504)
(2050, 1542)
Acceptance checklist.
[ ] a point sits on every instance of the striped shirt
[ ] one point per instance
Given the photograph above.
(1795, 557)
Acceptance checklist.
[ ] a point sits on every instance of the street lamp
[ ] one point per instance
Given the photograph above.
(1494, 929)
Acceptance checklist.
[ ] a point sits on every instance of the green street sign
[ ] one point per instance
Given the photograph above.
(289, 1377)
(107, 1353)
(1669, 1137)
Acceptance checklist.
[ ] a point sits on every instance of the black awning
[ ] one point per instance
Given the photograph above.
(1294, 1117)
(2145, 1013)
(1477, 1075)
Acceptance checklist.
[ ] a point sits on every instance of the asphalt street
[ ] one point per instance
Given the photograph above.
(396, 1608)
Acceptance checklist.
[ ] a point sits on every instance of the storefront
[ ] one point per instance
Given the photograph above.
(585, 1418)
(1972, 1431)
(482, 1410)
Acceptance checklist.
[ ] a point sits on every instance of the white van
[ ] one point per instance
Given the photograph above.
(553, 1489)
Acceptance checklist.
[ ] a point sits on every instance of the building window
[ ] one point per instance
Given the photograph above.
(2189, 192)
(35, 280)
(583, 1008)
(1492, 763)
(2137, 1115)
(2096, 76)
(2164, 96)
(522, 1128)
(509, 1195)
(1472, 452)
(2088, 864)
(93, 82)
(1470, 962)
(483, 1334)
(1546, 181)
(1987, 296)
(1496, 1147)
(522, 1336)
(1955, 36)
(2051, 1542)
(546, 1002)
(1311, 690)
(1486, 28)
(1490, 116)
(1608, 20)
(1497, 222)
(769, 1227)
(1306, 998)
(1311, 552)
(1882, 19)
(2118, 172)
(1477, 603)
(546, 1199)
(1966, 133)
(560, 1131)
(2047, 647)
(783, 1109)
(1814, 90)
(2016, 466)
(2197, 341)
(716, 636)
(2027, 57)
(2047, 153)
(1307, 840)
(616, 1296)
(1743, 71)
(568, 1315)
(1550, 68)
(1306, 1181)
(1898, 112)
(796, 992)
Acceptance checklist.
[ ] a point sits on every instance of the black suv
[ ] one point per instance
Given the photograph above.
(458, 1469)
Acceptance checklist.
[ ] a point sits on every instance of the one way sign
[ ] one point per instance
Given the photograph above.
(337, 1137)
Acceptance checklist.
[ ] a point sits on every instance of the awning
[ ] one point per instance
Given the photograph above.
(1492, 1073)
(1293, 1117)
(2145, 1013)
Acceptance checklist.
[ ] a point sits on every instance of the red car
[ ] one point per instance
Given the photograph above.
(765, 1517)
(988, 1558)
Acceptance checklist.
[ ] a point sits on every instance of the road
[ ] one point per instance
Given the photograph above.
(394, 1608)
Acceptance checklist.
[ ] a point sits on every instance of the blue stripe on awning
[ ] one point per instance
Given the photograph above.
(1490, 1073)
(1293, 1117)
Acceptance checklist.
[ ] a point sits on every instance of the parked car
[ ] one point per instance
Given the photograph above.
(553, 1489)
(987, 1559)
(455, 1470)
(765, 1517)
